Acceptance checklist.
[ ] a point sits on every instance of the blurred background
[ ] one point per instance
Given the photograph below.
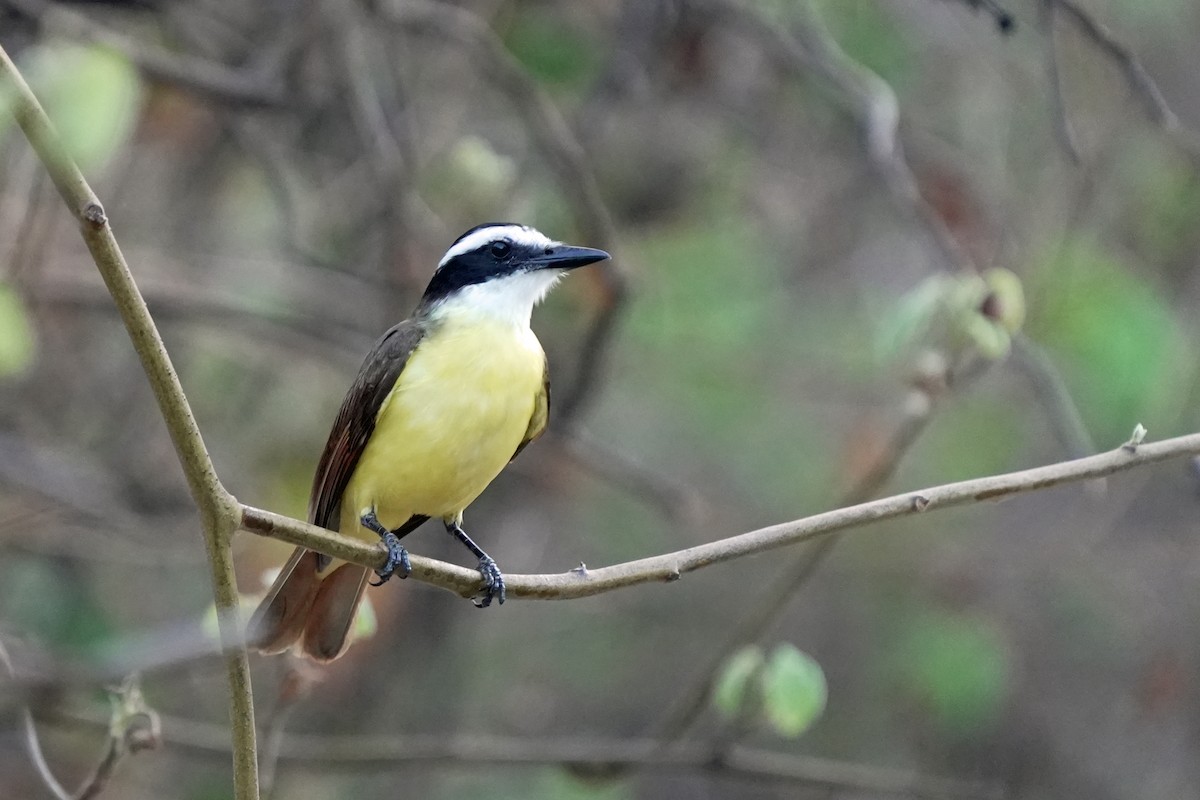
(860, 247)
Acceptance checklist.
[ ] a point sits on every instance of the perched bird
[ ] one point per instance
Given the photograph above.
(441, 404)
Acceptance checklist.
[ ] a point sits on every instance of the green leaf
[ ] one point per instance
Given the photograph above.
(730, 695)
(794, 691)
(16, 334)
(92, 94)
(556, 53)
(1113, 336)
(909, 319)
(958, 666)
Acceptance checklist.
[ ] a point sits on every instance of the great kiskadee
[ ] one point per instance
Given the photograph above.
(441, 404)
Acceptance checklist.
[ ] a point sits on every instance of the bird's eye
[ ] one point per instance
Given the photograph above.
(500, 249)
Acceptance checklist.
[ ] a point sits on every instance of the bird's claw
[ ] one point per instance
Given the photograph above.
(397, 563)
(493, 584)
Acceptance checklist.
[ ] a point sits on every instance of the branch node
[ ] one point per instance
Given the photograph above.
(94, 215)
(1139, 435)
(581, 570)
(920, 502)
(673, 575)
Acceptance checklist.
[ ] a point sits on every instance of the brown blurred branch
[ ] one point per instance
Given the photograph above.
(218, 509)
(201, 76)
(565, 158)
(1052, 394)
(1065, 131)
(1140, 83)
(586, 758)
(676, 499)
(670, 567)
(133, 727)
(805, 48)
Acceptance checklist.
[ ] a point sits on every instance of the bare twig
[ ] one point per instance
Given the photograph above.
(670, 567)
(1047, 15)
(809, 49)
(1140, 83)
(585, 757)
(218, 509)
(1053, 396)
(132, 727)
(209, 79)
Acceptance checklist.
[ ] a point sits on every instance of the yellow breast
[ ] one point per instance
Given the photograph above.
(452, 422)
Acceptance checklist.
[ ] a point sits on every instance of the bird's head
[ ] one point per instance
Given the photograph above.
(501, 270)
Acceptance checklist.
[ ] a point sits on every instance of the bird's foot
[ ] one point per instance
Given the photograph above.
(493, 584)
(397, 563)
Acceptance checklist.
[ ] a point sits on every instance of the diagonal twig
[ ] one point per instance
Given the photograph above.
(670, 567)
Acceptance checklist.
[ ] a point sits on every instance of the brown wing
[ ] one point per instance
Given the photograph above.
(541, 414)
(356, 419)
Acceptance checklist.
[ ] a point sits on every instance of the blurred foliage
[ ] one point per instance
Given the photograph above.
(17, 349)
(867, 32)
(794, 691)
(949, 313)
(1167, 195)
(37, 596)
(735, 688)
(956, 665)
(544, 784)
(92, 94)
(786, 690)
(1121, 350)
(561, 55)
(779, 291)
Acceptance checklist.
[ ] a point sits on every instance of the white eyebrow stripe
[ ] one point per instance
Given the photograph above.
(519, 235)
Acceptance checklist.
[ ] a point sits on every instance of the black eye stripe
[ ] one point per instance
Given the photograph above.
(500, 249)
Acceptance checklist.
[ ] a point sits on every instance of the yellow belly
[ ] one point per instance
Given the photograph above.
(454, 419)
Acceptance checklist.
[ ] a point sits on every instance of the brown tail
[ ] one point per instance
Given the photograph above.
(304, 607)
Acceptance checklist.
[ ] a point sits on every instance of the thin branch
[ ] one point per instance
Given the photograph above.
(678, 500)
(200, 76)
(924, 398)
(1140, 83)
(132, 727)
(1052, 394)
(806, 49)
(1139, 80)
(1047, 15)
(218, 509)
(585, 757)
(672, 566)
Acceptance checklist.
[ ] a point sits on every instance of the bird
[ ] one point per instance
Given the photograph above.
(441, 404)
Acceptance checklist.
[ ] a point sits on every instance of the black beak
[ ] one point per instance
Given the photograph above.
(564, 256)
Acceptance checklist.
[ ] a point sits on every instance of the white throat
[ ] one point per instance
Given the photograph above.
(509, 299)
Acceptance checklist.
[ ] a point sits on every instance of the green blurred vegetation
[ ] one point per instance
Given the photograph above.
(92, 94)
(781, 300)
(17, 348)
(1125, 357)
